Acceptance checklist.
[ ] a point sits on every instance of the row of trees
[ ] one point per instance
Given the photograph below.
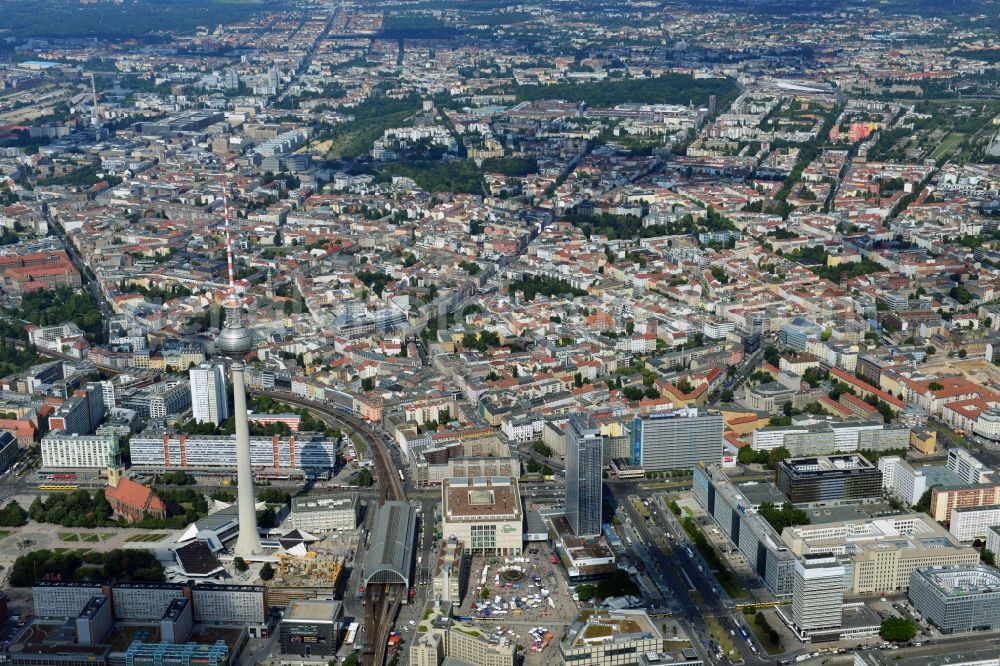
(785, 516)
(13, 515)
(544, 285)
(308, 422)
(748, 456)
(117, 565)
(48, 308)
(482, 341)
(666, 89)
(620, 583)
(81, 509)
(228, 427)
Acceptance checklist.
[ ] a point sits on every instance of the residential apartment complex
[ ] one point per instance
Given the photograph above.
(901, 480)
(209, 403)
(677, 440)
(814, 436)
(81, 413)
(946, 500)
(301, 451)
(969, 523)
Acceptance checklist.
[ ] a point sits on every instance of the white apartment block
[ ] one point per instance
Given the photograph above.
(144, 601)
(993, 539)
(901, 480)
(970, 470)
(62, 599)
(298, 451)
(230, 604)
(521, 430)
(974, 522)
(822, 436)
(60, 450)
(208, 393)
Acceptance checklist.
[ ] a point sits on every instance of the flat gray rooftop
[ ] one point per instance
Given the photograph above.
(390, 552)
(758, 493)
(939, 475)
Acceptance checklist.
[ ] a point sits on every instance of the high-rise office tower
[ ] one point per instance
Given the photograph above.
(208, 393)
(584, 465)
(677, 440)
(818, 596)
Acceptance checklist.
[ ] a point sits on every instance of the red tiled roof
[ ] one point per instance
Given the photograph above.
(834, 406)
(855, 400)
(865, 386)
(135, 495)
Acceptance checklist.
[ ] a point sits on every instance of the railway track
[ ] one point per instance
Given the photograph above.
(382, 601)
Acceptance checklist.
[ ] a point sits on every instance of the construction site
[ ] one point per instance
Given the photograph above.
(314, 575)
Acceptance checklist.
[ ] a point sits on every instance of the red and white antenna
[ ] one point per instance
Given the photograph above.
(229, 241)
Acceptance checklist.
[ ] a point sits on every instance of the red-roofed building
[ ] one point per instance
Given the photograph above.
(134, 501)
(43, 270)
(857, 406)
(865, 389)
(23, 430)
(933, 394)
(834, 407)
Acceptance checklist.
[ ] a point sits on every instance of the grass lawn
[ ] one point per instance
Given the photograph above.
(360, 445)
(69, 536)
(146, 538)
(733, 587)
(721, 636)
(90, 538)
(763, 636)
(948, 145)
(5, 533)
(106, 535)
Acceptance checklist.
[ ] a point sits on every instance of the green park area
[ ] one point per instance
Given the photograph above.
(147, 538)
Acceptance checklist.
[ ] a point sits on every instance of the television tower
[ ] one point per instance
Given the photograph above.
(234, 341)
(96, 118)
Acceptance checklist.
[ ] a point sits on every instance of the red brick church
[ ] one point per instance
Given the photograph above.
(134, 501)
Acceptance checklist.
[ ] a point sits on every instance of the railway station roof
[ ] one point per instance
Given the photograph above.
(391, 551)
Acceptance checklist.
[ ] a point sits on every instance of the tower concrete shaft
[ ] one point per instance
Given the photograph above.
(248, 541)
